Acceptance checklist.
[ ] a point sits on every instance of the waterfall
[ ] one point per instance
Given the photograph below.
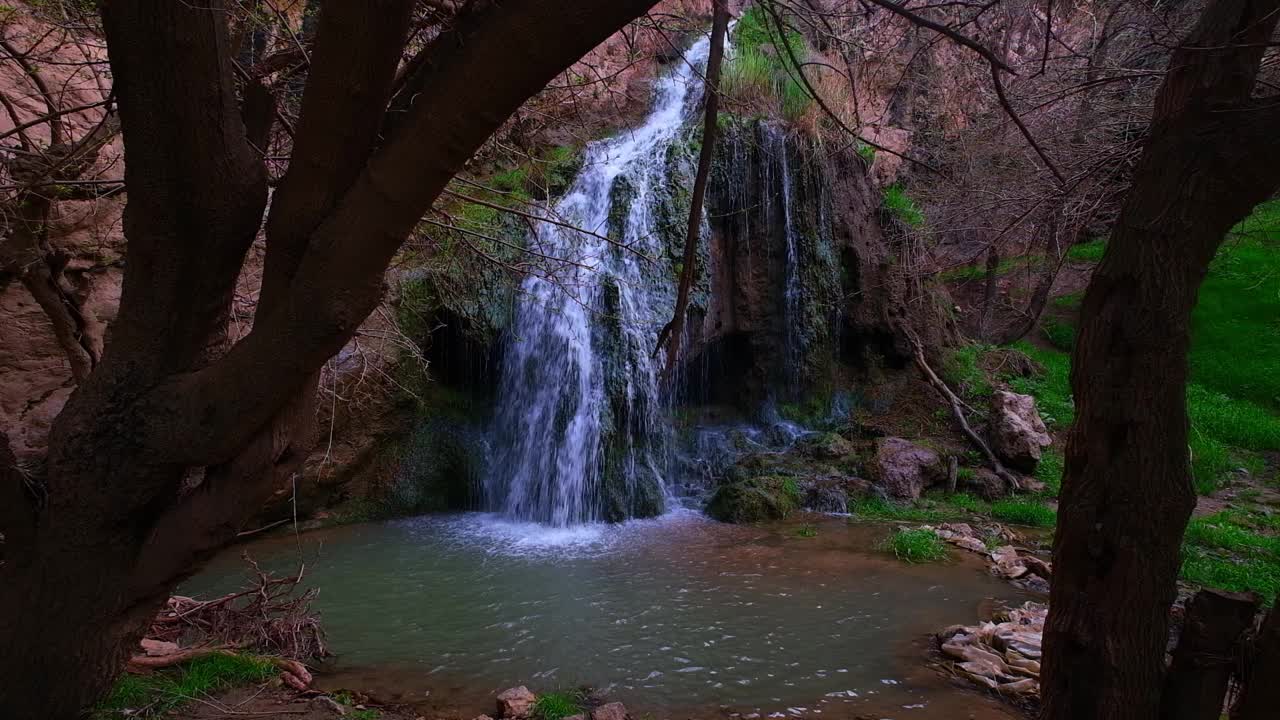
(580, 432)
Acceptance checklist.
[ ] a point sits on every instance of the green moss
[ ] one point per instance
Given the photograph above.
(917, 546)
(168, 689)
(901, 206)
(1024, 512)
(806, 531)
(1070, 301)
(866, 152)
(557, 705)
(755, 499)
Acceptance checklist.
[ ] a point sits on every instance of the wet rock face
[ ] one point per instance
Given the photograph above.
(1017, 433)
(903, 469)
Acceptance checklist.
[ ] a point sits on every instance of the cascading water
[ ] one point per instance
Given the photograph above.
(580, 431)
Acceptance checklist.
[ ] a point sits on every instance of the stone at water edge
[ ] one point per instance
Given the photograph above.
(515, 703)
(610, 711)
(326, 705)
(1017, 432)
(903, 469)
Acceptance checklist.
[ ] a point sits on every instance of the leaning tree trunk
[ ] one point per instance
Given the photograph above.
(175, 437)
(1211, 155)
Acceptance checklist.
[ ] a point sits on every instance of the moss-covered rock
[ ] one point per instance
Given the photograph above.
(755, 500)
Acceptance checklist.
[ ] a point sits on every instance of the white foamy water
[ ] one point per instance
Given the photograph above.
(579, 382)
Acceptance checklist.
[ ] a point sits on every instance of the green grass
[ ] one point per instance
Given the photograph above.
(1051, 389)
(866, 152)
(556, 705)
(168, 689)
(760, 68)
(963, 371)
(1024, 512)
(1234, 550)
(1050, 470)
(1070, 301)
(1090, 251)
(807, 531)
(967, 273)
(901, 206)
(880, 509)
(364, 714)
(1059, 333)
(916, 546)
(1235, 328)
(965, 501)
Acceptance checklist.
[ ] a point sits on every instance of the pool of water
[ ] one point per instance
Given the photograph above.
(669, 615)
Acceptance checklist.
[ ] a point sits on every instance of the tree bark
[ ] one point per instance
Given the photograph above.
(1196, 685)
(1211, 155)
(174, 438)
(1260, 675)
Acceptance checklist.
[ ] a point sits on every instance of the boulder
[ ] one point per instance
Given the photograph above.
(754, 500)
(903, 469)
(827, 446)
(325, 706)
(610, 711)
(827, 497)
(515, 703)
(1017, 433)
(984, 482)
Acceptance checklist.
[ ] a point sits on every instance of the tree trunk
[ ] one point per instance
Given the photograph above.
(673, 333)
(1211, 155)
(175, 438)
(1260, 677)
(1196, 685)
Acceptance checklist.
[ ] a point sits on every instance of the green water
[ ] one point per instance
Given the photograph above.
(668, 615)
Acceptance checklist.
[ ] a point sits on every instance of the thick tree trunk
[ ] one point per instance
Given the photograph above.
(174, 439)
(1260, 676)
(1127, 492)
(1196, 685)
